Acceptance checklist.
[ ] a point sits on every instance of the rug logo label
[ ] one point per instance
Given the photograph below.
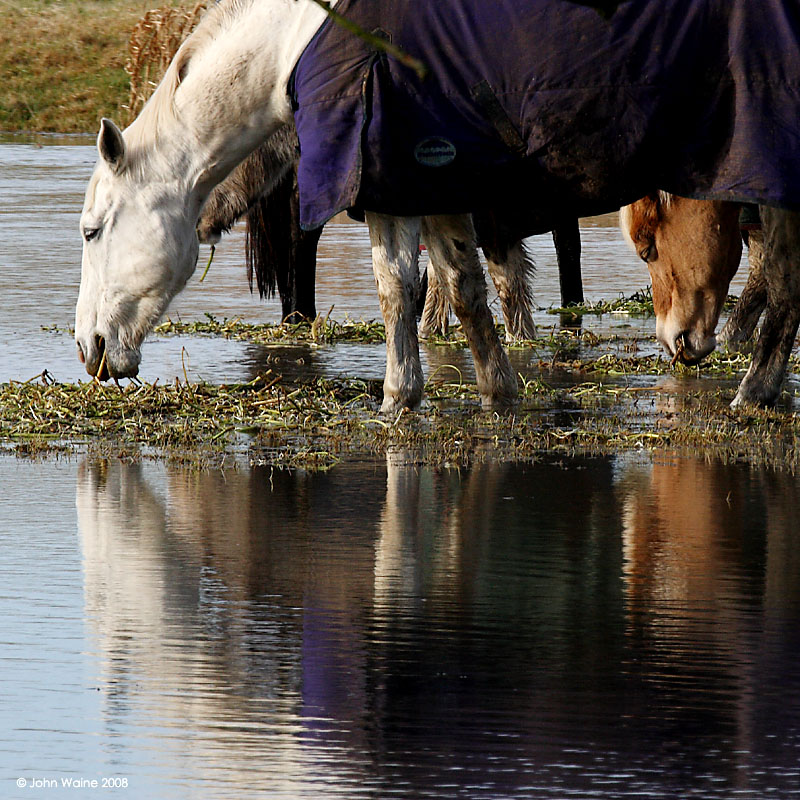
(435, 152)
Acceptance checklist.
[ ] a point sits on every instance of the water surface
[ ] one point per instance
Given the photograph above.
(390, 630)
(589, 628)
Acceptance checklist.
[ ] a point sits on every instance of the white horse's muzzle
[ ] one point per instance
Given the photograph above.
(104, 359)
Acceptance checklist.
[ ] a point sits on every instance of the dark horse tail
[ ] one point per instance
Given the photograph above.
(280, 254)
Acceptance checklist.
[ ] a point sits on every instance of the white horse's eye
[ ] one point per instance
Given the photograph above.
(90, 233)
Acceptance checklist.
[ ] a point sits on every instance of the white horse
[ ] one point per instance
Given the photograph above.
(226, 91)
(147, 191)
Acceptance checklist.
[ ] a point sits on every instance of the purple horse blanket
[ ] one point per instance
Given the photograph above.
(546, 105)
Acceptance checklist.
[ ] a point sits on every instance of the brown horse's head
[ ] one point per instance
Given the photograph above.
(692, 249)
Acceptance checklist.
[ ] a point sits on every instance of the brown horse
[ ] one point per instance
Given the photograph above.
(693, 249)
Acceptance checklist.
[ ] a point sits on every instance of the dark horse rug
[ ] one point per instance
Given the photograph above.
(546, 104)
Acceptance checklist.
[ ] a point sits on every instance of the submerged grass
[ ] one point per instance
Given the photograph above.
(322, 330)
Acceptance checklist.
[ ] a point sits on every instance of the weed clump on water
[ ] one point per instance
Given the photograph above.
(322, 330)
(316, 423)
(639, 304)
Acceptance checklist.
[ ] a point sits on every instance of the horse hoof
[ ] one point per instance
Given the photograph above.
(501, 404)
(392, 406)
(744, 400)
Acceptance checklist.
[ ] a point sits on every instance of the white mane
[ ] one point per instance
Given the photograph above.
(160, 108)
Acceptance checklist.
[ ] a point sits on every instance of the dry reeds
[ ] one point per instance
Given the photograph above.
(154, 41)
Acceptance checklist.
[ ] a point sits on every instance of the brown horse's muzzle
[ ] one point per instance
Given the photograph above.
(686, 349)
(689, 346)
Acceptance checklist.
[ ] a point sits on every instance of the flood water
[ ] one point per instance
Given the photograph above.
(386, 630)
(42, 188)
(589, 628)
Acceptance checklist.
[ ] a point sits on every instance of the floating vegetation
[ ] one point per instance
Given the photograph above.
(314, 424)
(322, 330)
(718, 364)
(639, 304)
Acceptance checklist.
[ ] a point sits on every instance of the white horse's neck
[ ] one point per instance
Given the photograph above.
(232, 93)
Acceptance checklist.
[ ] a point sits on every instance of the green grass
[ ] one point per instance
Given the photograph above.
(62, 63)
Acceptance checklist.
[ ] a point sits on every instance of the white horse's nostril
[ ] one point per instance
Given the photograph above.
(103, 372)
(81, 355)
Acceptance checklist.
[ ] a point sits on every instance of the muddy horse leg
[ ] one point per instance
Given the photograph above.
(511, 270)
(762, 383)
(453, 253)
(436, 311)
(743, 319)
(395, 259)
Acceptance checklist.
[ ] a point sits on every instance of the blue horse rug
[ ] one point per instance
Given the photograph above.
(546, 105)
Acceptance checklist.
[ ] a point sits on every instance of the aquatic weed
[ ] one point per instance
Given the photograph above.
(315, 423)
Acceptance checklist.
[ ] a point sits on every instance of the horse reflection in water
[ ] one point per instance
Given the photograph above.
(212, 622)
(425, 625)
(255, 612)
(692, 546)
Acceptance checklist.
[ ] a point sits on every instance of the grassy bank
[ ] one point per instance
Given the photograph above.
(62, 63)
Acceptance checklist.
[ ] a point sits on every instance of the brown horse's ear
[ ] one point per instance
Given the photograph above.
(111, 145)
(644, 221)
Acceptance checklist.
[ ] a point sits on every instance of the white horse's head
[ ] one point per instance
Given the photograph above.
(222, 95)
(139, 249)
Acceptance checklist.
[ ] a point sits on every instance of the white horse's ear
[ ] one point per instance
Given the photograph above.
(111, 144)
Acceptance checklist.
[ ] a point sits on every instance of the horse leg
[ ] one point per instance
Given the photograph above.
(567, 241)
(395, 256)
(303, 293)
(419, 306)
(743, 319)
(762, 383)
(511, 270)
(436, 311)
(299, 296)
(454, 256)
